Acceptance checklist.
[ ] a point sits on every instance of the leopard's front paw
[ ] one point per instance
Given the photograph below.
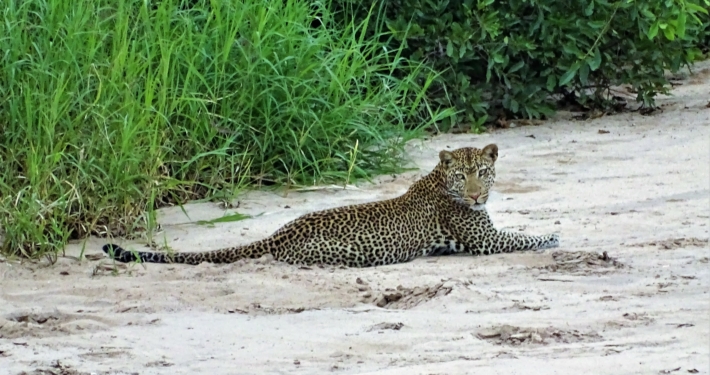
(550, 241)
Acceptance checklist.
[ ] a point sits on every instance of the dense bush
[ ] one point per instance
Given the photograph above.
(109, 109)
(516, 57)
(705, 42)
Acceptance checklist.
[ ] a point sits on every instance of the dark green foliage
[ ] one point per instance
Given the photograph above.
(111, 108)
(704, 30)
(516, 57)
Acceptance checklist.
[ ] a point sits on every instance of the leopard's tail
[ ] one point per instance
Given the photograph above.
(226, 255)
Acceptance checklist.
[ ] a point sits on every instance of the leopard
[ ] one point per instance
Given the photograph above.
(442, 213)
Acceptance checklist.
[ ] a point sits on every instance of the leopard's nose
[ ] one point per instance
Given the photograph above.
(475, 196)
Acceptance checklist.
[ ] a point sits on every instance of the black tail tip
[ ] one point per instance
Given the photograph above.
(118, 254)
(110, 248)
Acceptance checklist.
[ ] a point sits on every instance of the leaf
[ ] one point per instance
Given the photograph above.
(569, 74)
(456, 29)
(669, 32)
(596, 24)
(571, 48)
(584, 74)
(696, 8)
(480, 121)
(514, 106)
(551, 82)
(546, 110)
(653, 31)
(648, 13)
(680, 25)
(507, 83)
(589, 9)
(516, 67)
(224, 219)
(489, 70)
(532, 113)
(449, 49)
(596, 60)
(675, 62)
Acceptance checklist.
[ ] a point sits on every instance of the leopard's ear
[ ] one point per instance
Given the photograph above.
(446, 157)
(491, 152)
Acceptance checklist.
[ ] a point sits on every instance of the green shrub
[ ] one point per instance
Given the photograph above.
(516, 57)
(110, 109)
(704, 30)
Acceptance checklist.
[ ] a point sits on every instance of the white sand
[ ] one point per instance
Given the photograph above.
(629, 193)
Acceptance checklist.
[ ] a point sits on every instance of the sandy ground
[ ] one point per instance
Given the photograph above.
(626, 292)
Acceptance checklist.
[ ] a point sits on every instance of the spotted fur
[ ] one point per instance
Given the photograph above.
(442, 213)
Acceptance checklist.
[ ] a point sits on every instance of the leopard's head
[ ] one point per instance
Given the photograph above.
(469, 173)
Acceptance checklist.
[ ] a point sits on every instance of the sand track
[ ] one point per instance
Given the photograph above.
(626, 292)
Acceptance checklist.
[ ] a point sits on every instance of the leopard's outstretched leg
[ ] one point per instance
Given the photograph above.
(478, 236)
(508, 242)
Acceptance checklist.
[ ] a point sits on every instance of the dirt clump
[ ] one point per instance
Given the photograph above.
(582, 262)
(517, 336)
(406, 298)
(675, 243)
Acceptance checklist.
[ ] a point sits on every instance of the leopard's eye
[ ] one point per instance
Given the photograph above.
(482, 172)
(460, 177)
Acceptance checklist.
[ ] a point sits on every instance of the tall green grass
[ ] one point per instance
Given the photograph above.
(110, 109)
